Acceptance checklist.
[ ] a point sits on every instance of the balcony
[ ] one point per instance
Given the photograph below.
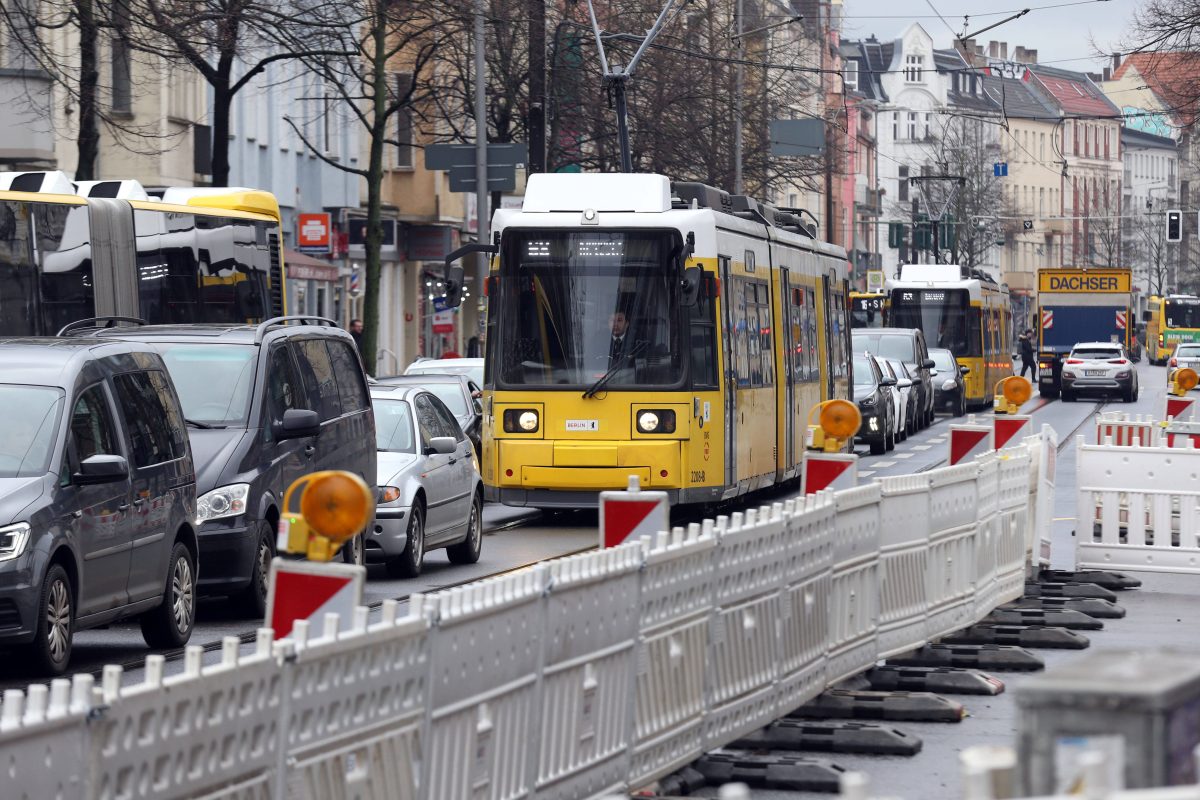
(868, 202)
(26, 130)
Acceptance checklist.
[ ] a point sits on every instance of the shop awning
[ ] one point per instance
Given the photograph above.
(303, 267)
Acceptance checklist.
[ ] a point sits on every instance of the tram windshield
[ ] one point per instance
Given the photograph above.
(943, 315)
(576, 307)
(1183, 313)
(866, 311)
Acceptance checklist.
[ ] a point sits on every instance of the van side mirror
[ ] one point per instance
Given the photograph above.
(692, 286)
(100, 469)
(298, 423)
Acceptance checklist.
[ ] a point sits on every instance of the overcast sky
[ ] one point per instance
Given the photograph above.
(1072, 31)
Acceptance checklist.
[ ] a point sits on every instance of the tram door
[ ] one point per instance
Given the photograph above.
(827, 304)
(724, 264)
(788, 419)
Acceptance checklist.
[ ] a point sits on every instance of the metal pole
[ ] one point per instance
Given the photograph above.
(536, 118)
(739, 87)
(622, 122)
(481, 142)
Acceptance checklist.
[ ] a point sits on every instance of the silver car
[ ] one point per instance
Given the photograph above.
(1101, 368)
(1185, 355)
(471, 367)
(430, 492)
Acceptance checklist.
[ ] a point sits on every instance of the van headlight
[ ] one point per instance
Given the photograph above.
(13, 539)
(227, 501)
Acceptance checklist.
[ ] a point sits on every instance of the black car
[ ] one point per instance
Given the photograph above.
(458, 392)
(97, 497)
(907, 345)
(950, 390)
(265, 404)
(874, 397)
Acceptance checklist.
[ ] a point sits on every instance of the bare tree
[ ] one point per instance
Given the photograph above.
(384, 76)
(1145, 243)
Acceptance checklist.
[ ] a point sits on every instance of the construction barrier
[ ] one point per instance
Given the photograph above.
(576, 678)
(1126, 431)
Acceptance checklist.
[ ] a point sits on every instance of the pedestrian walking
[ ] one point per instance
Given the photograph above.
(356, 332)
(1028, 362)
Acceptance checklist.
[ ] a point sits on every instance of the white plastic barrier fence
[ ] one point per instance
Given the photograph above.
(1138, 508)
(576, 678)
(1126, 431)
(1043, 451)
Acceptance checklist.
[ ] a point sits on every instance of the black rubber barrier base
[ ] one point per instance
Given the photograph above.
(909, 706)
(1036, 637)
(987, 657)
(1092, 606)
(679, 784)
(771, 771)
(1069, 590)
(943, 680)
(1032, 616)
(1116, 581)
(831, 737)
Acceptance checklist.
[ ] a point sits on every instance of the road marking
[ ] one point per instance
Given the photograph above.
(921, 446)
(882, 464)
(866, 473)
(903, 455)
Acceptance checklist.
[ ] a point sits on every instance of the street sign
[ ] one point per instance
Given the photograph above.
(797, 137)
(828, 471)
(1000, 169)
(631, 514)
(443, 317)
(501, 178)
(310, 590)
(314, 233)
(875, 280)
(446, 156)
(1027, 224)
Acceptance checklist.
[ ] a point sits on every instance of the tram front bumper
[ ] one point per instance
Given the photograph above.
(573, 473)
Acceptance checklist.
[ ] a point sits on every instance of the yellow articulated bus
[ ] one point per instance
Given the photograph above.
(965, 312)
(108, 248)
(1169, 321)
(667, 331)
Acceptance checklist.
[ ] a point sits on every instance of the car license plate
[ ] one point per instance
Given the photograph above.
(1095, 373)
(583, 424)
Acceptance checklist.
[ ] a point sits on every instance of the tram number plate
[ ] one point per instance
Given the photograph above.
(583, 424)
(1096, 373)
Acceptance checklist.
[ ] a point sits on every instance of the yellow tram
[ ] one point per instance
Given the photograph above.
(963, 311)
(668, 331)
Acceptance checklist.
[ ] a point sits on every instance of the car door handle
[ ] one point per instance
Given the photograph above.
(138, 503)
(452, 461)
(123, 507)
(309, 450)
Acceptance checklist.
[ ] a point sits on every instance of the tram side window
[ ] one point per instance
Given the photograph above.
(703, 340)
(810, 307)
(766, 336)
(753, 334)
(799, 354)
(740, 334)
(837, 335)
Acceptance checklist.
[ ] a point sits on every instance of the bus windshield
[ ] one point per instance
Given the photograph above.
(578, 306)
(943, 315)
(1183, 313)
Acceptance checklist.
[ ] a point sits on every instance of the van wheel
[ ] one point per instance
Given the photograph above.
(50, 650)
(253, 599)
(170, 625)
(408, 564)
(468, 550)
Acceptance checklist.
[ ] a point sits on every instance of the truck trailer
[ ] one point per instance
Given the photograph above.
(1080, 305)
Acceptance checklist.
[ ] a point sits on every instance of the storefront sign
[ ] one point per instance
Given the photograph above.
(311, 272)
(443, 318)
(314, 233)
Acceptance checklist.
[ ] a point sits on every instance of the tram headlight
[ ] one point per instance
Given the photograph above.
(656, 421)
(521, 420)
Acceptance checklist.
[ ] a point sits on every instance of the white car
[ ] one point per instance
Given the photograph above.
(471, 367)
(908, 404)
(1185, 355)
(1099, 368)
(899, 398)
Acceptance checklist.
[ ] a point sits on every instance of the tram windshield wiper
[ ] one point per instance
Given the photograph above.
(634, 351)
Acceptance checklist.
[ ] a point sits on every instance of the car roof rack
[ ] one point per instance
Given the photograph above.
(91, 324)
(304, 319)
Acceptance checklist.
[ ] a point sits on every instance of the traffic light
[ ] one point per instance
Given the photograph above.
(1175, 226)
(897, 235)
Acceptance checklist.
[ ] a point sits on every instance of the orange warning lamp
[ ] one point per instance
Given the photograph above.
(1183, 381)
(322, 511)
(837, 422)
(1012, 393)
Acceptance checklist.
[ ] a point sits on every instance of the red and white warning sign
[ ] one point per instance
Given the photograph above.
(1183, 434)
(1047, 319)
(835, 471)
(310, 590)
(1125, 432)
(968, 441)
(1010, 429)
(631, 514)
(1120, 320)
(1181, 408)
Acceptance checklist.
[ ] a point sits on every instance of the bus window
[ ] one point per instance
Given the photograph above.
(766, 338)
(18, 276)
(41, 297)
(944, 315)
(810, 307)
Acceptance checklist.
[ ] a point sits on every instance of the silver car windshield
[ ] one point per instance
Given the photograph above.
(393, 426)
(31, 415)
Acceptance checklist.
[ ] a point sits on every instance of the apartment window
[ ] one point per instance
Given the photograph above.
(1075, 130)
(927, 118)
(913, 67)
(912, 125)
(895, 125)
(404, 120)
(122, 87)
(850, 74)
(1106, 142)
(903, 187)
(1041, 202)
(1042, 148)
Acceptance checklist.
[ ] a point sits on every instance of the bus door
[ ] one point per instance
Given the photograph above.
(786, 328)
(729, 298)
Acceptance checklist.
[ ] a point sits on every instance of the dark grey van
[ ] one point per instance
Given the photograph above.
(97, 496)
(264, 405)
(907, 345)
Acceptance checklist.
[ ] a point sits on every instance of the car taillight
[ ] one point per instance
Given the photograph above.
(1074, 361)
(1160, 340)
(1117, 361)
(1174, 362)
